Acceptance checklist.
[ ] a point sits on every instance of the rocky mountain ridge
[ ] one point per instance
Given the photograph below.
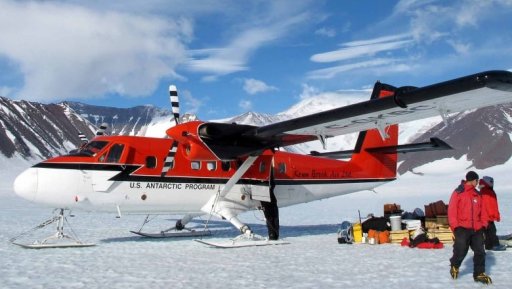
(39, 131)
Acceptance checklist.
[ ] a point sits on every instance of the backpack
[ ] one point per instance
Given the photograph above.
(380, 237)
(377, 224)
(346, 233)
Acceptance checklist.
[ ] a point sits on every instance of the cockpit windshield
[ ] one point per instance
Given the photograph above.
(90, 149)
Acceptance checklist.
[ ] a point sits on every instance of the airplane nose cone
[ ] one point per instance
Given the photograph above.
(25, 185)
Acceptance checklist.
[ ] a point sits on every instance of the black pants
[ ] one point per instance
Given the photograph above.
(491, 239)
(465, 238)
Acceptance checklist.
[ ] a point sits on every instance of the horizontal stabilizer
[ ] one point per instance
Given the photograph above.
(432, 145)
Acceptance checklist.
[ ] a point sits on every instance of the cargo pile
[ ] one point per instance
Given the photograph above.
(397, 226)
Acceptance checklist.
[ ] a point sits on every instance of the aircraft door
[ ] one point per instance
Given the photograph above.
(85, 185)
(108, 166)
(261, 191)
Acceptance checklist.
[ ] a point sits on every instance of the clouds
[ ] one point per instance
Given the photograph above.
(327, 32)
(426, 35)
(227, 52)
(364, 48)
(69, 51)
(87, 49)
(233, 56)
(254, 86)
(245, 105)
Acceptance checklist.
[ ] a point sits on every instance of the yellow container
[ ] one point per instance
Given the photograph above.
(358, 232)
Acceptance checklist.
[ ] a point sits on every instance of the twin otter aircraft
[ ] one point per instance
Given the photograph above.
(225, 169)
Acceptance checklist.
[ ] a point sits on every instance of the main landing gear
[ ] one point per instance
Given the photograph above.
(229, 209)
(178, 230)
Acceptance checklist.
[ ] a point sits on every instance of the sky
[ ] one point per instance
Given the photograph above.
(228, 57)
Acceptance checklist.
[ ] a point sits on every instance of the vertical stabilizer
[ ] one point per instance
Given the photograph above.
(377, 164)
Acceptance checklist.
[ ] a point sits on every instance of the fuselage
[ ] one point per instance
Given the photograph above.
(129, 174)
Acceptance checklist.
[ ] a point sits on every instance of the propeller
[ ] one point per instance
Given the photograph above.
(103, 128)
(82, 137)
(175, 105)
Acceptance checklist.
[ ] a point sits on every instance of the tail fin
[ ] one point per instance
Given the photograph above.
(377, 164)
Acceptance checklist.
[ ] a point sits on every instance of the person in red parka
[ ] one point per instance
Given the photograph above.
(468, 219)
(490, 203)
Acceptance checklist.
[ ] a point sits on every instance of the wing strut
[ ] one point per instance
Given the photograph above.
(237, 175)
(223, 207)
(443, 111)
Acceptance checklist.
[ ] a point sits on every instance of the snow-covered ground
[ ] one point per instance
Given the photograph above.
(313, 259)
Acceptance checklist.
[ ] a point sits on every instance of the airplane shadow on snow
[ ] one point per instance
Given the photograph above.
(223, 229)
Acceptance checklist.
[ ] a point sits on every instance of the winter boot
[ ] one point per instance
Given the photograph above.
(454, 271)
(499, 248)
(483, 278)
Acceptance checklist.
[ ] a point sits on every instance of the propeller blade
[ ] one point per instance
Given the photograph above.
(175, 104)
(103, 128)
(82, 137)
(169, 160)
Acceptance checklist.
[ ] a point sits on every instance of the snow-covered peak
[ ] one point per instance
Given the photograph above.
(325, 101)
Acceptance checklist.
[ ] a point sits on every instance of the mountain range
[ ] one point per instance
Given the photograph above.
(36, 131)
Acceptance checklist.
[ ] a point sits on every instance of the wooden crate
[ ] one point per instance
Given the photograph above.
(430, 223)
(396, 237)
(442, 221)
(444, 235)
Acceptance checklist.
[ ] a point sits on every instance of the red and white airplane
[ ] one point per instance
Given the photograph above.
(226, 169)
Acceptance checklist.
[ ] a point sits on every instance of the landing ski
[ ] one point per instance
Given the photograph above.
(241, 243)
(176, 234)
(55, 245)
(506, 240)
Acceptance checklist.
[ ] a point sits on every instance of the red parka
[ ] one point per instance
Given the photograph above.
(466, 209)
(490, 203)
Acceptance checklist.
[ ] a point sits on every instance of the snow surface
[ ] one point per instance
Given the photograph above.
(314, 259)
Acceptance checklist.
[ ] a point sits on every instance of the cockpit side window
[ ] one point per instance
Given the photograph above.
(114, 155)
(92, 148)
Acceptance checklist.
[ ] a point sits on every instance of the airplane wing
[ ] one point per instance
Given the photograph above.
(407, 104)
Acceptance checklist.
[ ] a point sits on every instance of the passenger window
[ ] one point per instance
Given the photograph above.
(262, 167)
(151, 162)
(281, 168)
(195, 165)
(114, 155)
(225, 166)
(211, 166)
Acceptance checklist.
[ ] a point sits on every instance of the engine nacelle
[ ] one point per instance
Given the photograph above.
(196, 150)
(192, 147)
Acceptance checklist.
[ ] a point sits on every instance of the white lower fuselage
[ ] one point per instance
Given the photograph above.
(93, 191)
